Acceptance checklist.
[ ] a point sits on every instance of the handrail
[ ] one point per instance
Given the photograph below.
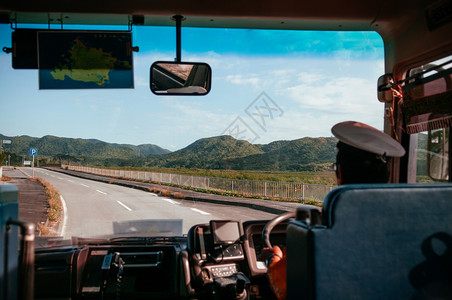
(26, 257)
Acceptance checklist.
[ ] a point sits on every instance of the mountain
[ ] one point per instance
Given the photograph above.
(225, 152)
(85, 149)
(220, 152)
(206, 153)
(145, 149)
(293, 155)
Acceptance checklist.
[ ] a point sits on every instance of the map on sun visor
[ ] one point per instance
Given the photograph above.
(85, 60)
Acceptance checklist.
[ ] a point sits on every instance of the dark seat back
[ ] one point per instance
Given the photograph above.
(375, 242)
(8, 242)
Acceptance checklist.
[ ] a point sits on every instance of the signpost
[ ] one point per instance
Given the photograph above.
(33, 152)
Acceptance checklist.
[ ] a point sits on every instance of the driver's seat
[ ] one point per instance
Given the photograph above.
(379, 241)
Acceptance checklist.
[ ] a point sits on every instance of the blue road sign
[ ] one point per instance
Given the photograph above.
(33, 151)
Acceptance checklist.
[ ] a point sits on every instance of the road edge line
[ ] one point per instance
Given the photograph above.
(63, 226)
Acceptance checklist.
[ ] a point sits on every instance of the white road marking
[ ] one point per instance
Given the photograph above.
(84, 185)
(60, 178)
(63, 227)
(70, 180)
(23, 172)
(124, 205)
(200, 211)
(101, 192)
(170, 201)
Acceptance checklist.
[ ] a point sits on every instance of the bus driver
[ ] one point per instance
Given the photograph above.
(362, 157)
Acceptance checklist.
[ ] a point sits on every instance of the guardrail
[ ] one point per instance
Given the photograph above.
(251, 188)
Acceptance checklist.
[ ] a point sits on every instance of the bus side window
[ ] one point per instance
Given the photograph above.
(428, 115)
(438, 154)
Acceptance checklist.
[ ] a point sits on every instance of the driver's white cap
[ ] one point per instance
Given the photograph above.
(367, 138)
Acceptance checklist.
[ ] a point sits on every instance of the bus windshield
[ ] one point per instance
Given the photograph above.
(267, 120)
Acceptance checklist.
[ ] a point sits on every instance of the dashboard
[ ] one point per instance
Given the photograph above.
(218, 260)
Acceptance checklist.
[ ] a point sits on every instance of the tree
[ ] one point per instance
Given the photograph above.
(2, 157)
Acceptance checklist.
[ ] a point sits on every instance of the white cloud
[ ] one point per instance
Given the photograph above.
(248, 79)
(314, 95)
(192, 117)
(349, 95)
(140, 81)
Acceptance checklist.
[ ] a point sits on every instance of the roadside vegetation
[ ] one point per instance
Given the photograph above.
(319, 177)
(5, 178)
(55, 209)
(166, 193)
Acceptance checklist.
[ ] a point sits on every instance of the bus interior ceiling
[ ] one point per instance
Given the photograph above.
(414, 32)
(407, 28)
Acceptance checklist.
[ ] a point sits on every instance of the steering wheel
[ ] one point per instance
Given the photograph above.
(272, 223)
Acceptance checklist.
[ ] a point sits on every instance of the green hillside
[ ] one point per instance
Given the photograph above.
(215, 153)
(225, 152)
(207, 153)
(145, 149)
(306, 154)
(85, 150)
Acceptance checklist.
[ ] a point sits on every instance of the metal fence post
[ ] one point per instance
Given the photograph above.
(282, 190)
(302, 197)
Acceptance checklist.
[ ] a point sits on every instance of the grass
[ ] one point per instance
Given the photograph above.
(44, 230)
(178, 195)
(322, 177)
(55, 209)
(5, 178)
(166, 193)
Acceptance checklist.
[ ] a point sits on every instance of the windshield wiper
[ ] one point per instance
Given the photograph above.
(147, 240)
(81, 241)
(128, 240)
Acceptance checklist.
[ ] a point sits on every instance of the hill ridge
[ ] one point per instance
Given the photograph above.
(218, 152)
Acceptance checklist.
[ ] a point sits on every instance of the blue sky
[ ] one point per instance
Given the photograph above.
(308, 81)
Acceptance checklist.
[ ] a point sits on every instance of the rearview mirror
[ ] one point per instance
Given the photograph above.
(385, 93)
(180, 78)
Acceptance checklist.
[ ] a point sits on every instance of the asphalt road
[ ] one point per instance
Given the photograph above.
(94, 208)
